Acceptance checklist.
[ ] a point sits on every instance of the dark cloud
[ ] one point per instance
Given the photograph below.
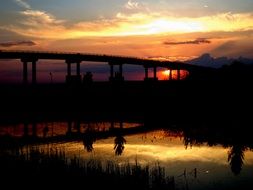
(235, 48)
(17, 43)
(194, 42)
(225, 47)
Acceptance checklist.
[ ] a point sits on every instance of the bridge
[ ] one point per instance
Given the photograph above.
(70, 135)
(76, 58)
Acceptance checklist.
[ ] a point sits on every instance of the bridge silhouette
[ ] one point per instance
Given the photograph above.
(70, 135)
(76, 58)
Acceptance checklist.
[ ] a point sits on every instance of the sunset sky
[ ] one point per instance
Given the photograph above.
(144, 28)
(176, 30)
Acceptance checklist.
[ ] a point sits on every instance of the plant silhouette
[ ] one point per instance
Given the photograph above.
(119, 145)
(88, 140)
(235, 158)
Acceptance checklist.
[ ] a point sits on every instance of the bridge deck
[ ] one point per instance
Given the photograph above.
(76, 136)
(112, 59)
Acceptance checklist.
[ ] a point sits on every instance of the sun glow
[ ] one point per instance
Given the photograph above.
(166, 73)
(163, 26)
(40, 23)
(173, 74)
(148, 26)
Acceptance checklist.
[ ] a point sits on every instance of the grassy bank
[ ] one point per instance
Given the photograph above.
(50, 168)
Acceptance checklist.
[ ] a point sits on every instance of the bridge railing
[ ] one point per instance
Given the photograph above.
(70, 53)
(139, 59)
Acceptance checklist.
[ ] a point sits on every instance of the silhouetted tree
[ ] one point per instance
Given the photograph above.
(119, 144)
(45, 131)
(88, 140)
(51, 77)
(237, 71)
(235, 158)
(87, 78)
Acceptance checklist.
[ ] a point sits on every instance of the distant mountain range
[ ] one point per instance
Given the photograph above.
(208, 61)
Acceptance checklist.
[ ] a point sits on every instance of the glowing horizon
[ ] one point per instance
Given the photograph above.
(165, 30)
(39, 23)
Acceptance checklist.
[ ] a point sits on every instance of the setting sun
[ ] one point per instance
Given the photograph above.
(166, 73)
(174, 74)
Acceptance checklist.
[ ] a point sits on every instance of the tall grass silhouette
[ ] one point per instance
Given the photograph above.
(50, 167)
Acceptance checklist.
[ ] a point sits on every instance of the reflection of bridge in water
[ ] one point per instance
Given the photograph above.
(71, 135)
(76, 58)
(237, 141)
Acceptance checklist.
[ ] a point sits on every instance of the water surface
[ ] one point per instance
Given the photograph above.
(196, 159)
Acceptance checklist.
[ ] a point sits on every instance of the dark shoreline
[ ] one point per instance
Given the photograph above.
(178, 101)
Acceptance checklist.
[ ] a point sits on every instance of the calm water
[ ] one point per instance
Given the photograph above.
(198, 159)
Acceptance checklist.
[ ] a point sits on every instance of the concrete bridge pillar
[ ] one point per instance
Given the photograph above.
(120, 71)
(178, 74)
(74, 79)
(111, 72)
(154, 78)
(34, 129)
(25, 73)
(146, 73)
(69, 127)
(78, 68)
(68, 69)
(170, 77)
(117, 76)
(34, 74)
(26, 130)
(155, 73)
(25, 62)
(78, 126)
(112, 125)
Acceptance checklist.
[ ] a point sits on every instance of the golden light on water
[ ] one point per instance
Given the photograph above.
(148, 149)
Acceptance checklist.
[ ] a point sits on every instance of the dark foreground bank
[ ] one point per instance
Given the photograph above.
(51, 168)
(180, 101)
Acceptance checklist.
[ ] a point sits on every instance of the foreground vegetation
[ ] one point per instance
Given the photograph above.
(38, 168)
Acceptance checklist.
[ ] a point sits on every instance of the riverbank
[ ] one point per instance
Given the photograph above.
(37, 168)
(177, 101)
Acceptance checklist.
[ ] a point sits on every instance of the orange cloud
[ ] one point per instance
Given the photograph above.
(36, 23)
